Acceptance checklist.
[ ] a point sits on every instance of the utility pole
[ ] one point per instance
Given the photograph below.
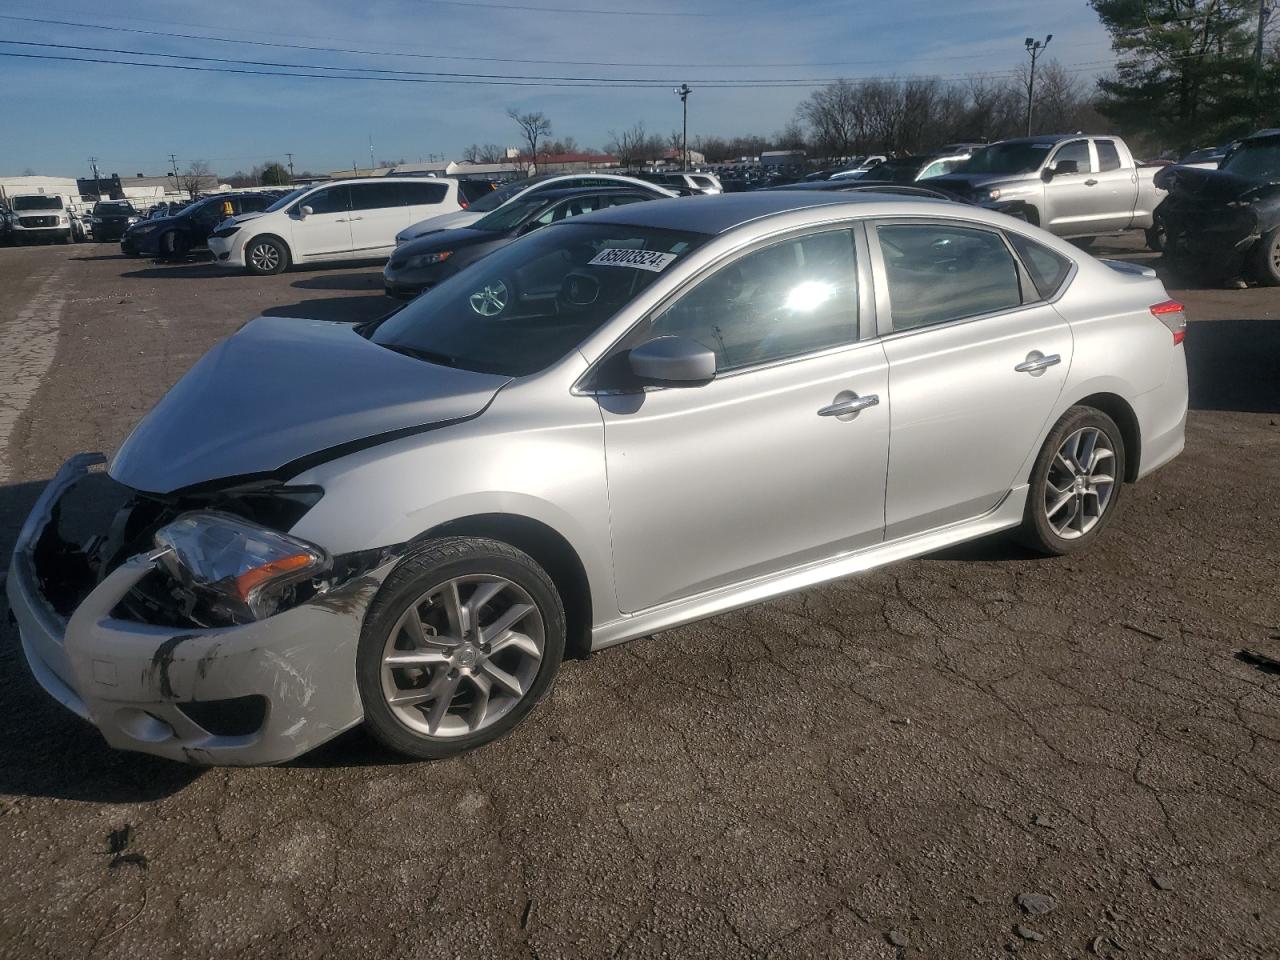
(1264, 11)
(1034, 48)
(683, 92)
(290, 156)
(371, 154)
(174, 160)
(97, 187)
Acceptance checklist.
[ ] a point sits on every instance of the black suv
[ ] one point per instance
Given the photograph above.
(172, 238)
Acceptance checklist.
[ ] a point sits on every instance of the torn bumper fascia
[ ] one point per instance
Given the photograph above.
(128, 678)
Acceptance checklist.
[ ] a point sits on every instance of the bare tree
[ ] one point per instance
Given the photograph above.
(192, 179)
(533, 127)
(835, 115)
(629, 146)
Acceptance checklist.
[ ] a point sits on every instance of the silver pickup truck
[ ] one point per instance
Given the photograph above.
(1075, 186)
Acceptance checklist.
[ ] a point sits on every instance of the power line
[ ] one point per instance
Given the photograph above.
(403, 73)
(438, 56)
(596, 11)
(580, 85)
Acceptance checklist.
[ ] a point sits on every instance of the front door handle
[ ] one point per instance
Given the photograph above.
(1091, 183)
(846, 405)
(354, 219)
(1037, 363)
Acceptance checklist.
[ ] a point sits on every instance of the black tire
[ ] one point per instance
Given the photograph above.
(1036, 531)
(435, 563)
(265, 265)
(1267, 268)
(1155, 237)
(1083, 243)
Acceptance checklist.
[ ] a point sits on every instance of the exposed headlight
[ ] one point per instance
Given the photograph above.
(134, 219)
(986, 196)
(427, 259)
(245, 569)
(223, 232)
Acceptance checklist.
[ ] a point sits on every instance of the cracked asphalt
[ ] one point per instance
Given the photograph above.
(876, 768)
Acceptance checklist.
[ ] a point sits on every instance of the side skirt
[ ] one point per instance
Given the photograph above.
(1006, 514)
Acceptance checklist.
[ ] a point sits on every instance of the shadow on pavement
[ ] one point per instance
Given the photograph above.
(364, 280)
(336, 309)
(1234, 365)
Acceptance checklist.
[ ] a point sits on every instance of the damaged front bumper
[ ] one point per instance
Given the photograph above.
(257, 693)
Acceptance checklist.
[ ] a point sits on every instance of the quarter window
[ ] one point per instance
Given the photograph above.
(786, 300)
(424, 194)
(940, 273)
(1048, 269)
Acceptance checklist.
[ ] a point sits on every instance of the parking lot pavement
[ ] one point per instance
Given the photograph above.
(874, 768)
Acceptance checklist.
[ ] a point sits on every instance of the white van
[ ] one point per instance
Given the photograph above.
(40, 217)
(335, 220)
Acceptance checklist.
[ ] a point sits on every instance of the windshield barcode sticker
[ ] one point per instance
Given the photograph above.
(641, 259)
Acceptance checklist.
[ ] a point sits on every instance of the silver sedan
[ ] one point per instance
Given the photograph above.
(615, 425)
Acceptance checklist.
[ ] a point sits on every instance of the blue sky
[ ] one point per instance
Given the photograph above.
(56, 114)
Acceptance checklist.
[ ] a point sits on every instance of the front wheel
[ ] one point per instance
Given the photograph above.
(1075, 483)
(462, 641)
(1155, 236)
(174, 246)
(264, 256)
(1268, 267)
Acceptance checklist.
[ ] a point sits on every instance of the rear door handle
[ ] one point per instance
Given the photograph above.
(847, 405)
(1037, 363)
(1091, 183)
(354, 219)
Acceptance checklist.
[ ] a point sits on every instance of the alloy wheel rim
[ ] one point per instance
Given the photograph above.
(1080, 483)
(462, 656)
(264, 257)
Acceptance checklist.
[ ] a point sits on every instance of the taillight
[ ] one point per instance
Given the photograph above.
(1173, 315)
(463, 202)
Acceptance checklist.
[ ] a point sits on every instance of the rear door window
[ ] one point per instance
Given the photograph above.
(938, 273)
(1108, 155)
(376, 196)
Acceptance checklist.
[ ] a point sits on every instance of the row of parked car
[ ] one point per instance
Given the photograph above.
(1213, 219)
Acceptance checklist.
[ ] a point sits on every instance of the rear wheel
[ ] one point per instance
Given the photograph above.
(1075, 483)
(265, 255)
(1268, 265)
(462, 641)
(1084, 243)
(1155, 236)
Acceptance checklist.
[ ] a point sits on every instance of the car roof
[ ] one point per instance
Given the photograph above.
(560, 193)
(721, 213)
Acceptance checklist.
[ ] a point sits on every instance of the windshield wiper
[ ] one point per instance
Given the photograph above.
(430, 356)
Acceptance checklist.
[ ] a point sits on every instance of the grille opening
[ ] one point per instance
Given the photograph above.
(236, 717)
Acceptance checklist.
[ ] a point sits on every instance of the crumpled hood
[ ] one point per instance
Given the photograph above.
(281, 389)
(1211, 186)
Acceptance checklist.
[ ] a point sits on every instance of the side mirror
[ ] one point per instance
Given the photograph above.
(1065, 166)
(305, 212)
(673, 362)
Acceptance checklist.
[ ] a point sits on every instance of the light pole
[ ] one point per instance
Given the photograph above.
(683, 92)
(1034, 48)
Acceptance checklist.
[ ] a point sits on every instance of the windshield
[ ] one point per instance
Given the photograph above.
(287, 199)
(37, 203)
(520, 309)
(512, 214)
(896, 171)
(114, 209)
(1013, 157)
(496, 198)
(1257, 160)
